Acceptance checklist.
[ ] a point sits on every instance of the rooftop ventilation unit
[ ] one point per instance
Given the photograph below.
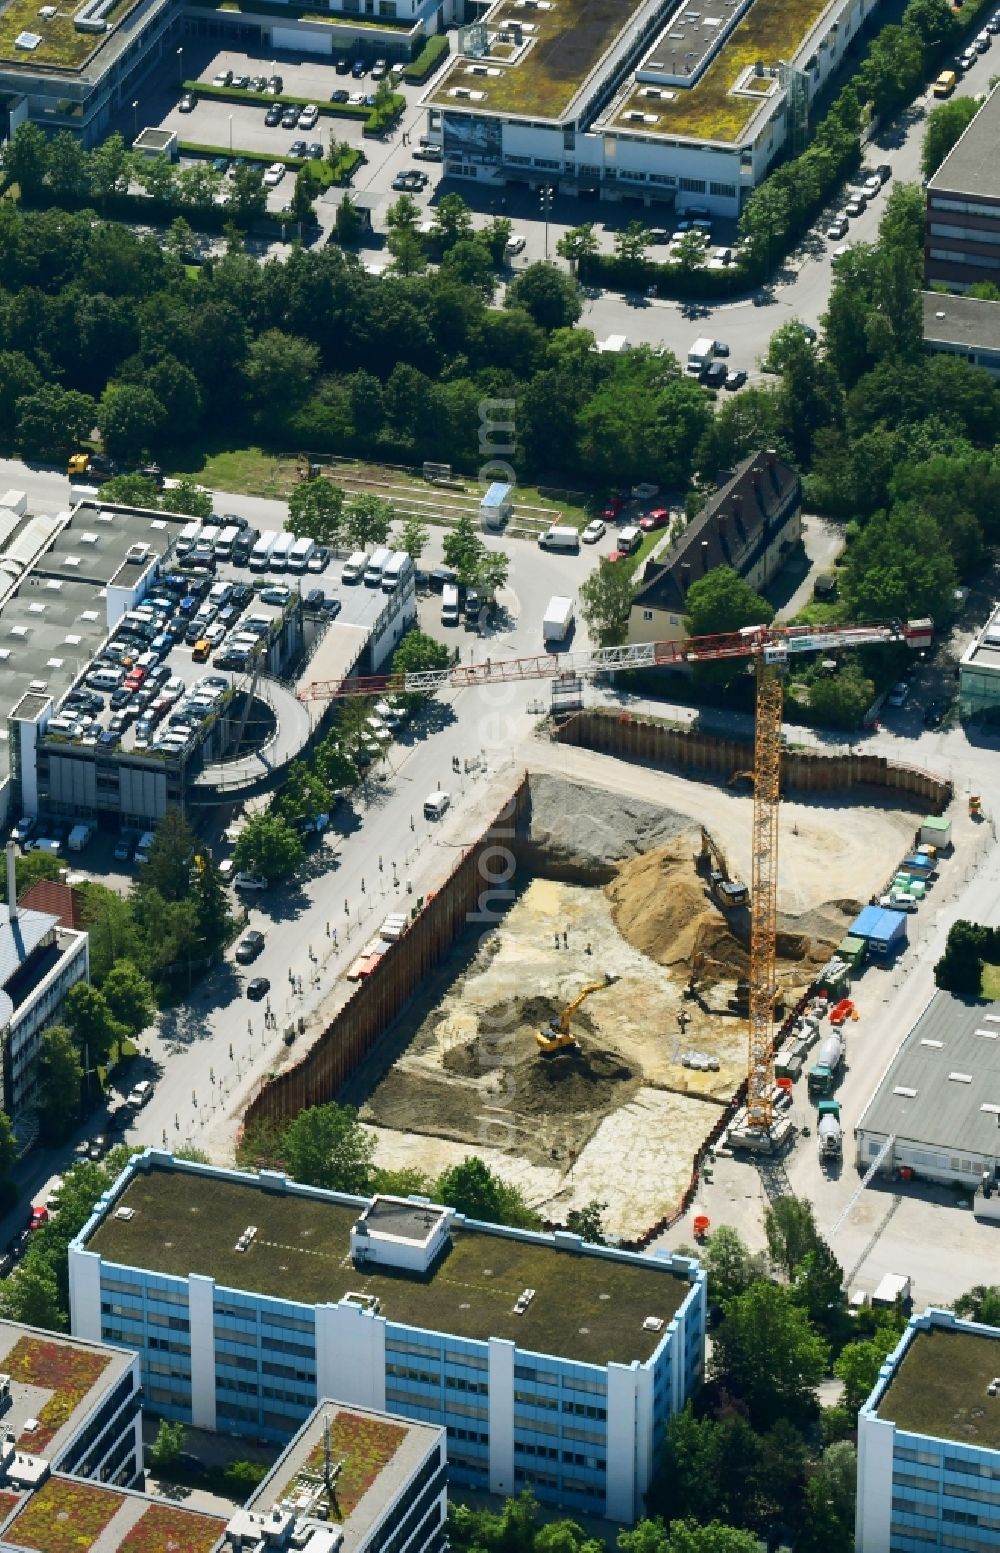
(524, 1299)
(247, 1238)
(125, 1214)
(653, 1324)
(993, 1389)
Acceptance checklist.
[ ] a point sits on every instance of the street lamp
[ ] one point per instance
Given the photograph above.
(230, 134)
(180, 67)
(545, 197)
(135, 119)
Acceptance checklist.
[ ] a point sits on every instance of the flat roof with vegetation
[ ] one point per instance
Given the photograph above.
(771, 30)
(940, 1388)
(61, 43)
(568, 42)
(586, 1307)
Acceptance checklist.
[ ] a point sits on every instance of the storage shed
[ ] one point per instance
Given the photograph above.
(497, 505)
(883, 930)
(852, 950)
(935, 831)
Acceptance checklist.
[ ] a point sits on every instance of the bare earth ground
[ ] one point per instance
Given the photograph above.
(622, 1120)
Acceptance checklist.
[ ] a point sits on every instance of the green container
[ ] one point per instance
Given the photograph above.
(852, 950)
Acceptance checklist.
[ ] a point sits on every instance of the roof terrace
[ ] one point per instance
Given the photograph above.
(587, 1307)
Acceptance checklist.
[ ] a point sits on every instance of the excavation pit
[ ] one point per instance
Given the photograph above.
(628, 906)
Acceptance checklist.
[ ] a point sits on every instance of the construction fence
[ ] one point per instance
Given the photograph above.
(468, 896)
(694, 753)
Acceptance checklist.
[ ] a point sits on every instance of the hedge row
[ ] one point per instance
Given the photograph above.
(345, 167)
(666, 280)
(433, 51)
(374, 119)
(141, 208)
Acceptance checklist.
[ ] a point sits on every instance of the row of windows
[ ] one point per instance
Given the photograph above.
(965, 234)
(973, 260)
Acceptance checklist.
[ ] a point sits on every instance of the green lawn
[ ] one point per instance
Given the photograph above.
(244, 471)
(991, 982)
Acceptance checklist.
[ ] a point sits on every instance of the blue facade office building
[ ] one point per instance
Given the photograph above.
(929, 1442)
(550, 1362)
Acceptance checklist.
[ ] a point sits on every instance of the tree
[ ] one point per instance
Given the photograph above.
(413, 537)
(551, 298)
(492, 573)
(156, 175)
(819, 1286)
(327, 1146)
(131, 420)
(132, 490)
(29, 869)
(129, 996)
(95, 1029)
(690, 253)
(579, 243)
(300, 206)
(110, 922)
(31, 1296)
(246, 196)
(197, 185)
(348, 221)
(606, 601)
(170, 868)
(269, 847)
(730, 1265)
(588, 1221)
(407, 251)
(768, 1354)
(454, 220)
(188, 498)
(632, 243)
(179, 240)
(316, 511)
(900, 567)
(840, 700)
(980, 1303)
(165, 1451)
(418, 653)
(52, 422)
(67, 171)
(19, 377)
(470, 262)
(857, 1365)
(280, 370)
(945, 126)
(463, 548)
(687, 1537)
(722, 601)
(367, 520)
(26, 158)
(790, 1227)
(8, 1149)
(496, 234)
(831, 1494)
(109, 165)
(60, 1074)
(403, 215)
(471, 1188)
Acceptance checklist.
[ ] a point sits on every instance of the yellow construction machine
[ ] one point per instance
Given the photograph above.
(558, 1037)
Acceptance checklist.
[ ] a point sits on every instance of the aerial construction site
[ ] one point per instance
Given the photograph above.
(627, 901)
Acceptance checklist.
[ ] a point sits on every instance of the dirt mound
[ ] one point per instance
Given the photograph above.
(577, 830)
(660, 903)
(662, 906)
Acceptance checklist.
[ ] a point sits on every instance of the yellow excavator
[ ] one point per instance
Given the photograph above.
(558, 1037)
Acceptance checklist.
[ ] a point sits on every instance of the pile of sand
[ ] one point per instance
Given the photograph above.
(662, 906)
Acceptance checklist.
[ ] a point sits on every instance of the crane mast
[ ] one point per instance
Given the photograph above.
(764, 894)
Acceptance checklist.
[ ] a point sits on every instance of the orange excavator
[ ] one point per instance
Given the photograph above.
(558, 1037)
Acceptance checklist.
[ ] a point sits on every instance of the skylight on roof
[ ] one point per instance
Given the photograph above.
(88, 538)
(72, 640)
(54, 663)
(72, 560)
(926, 1041)
(905, 1090)
(54, 584)
(19, 631)
(36, 609)
(90, 614)
(960, 1078)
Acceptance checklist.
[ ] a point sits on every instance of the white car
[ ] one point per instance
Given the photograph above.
(516, 244)
(838, 253)
(274, 175)
(837, 228)
(594, 531)
(872, 186)
(308, 117)
(249, 882)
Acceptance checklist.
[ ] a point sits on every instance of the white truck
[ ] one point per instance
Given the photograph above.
(557, 622)
(700, 356)
(78, 837)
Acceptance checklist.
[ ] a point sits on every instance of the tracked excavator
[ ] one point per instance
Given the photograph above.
(558, 1037)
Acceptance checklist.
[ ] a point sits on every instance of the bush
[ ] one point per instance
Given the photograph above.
(669, 280)
(433, 50)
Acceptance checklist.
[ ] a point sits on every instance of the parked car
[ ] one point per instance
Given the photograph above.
(735, 379)
(658, 517)
(714, 375)
(884, 170)
(340, 95)
(319, 560)
(258, 988)
(594, 531)
(187, 102)
(612, 509)
(274, 175)
(272, 117)
(899, 694)
(249, 946)
(140, 1094)
(314, 151)
(308, 116)
(342, 65)
(290, 118)
(249, 882)
(297, 148)
(380, 69)
(276, 85)
(516, 244)
(38, 1216)
(359, 69)
(837, 228)
(857, 204)
(330, 608)
(982, 41)
(276, 595)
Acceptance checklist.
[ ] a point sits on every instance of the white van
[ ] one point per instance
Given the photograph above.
(260, 555)
(435, 805)
(301, 554)
(225, 542)
(280, 551)
(559, 539)
(187, 537)
(377, 563)
(396, 570)
(354, 567)
(449, 606)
